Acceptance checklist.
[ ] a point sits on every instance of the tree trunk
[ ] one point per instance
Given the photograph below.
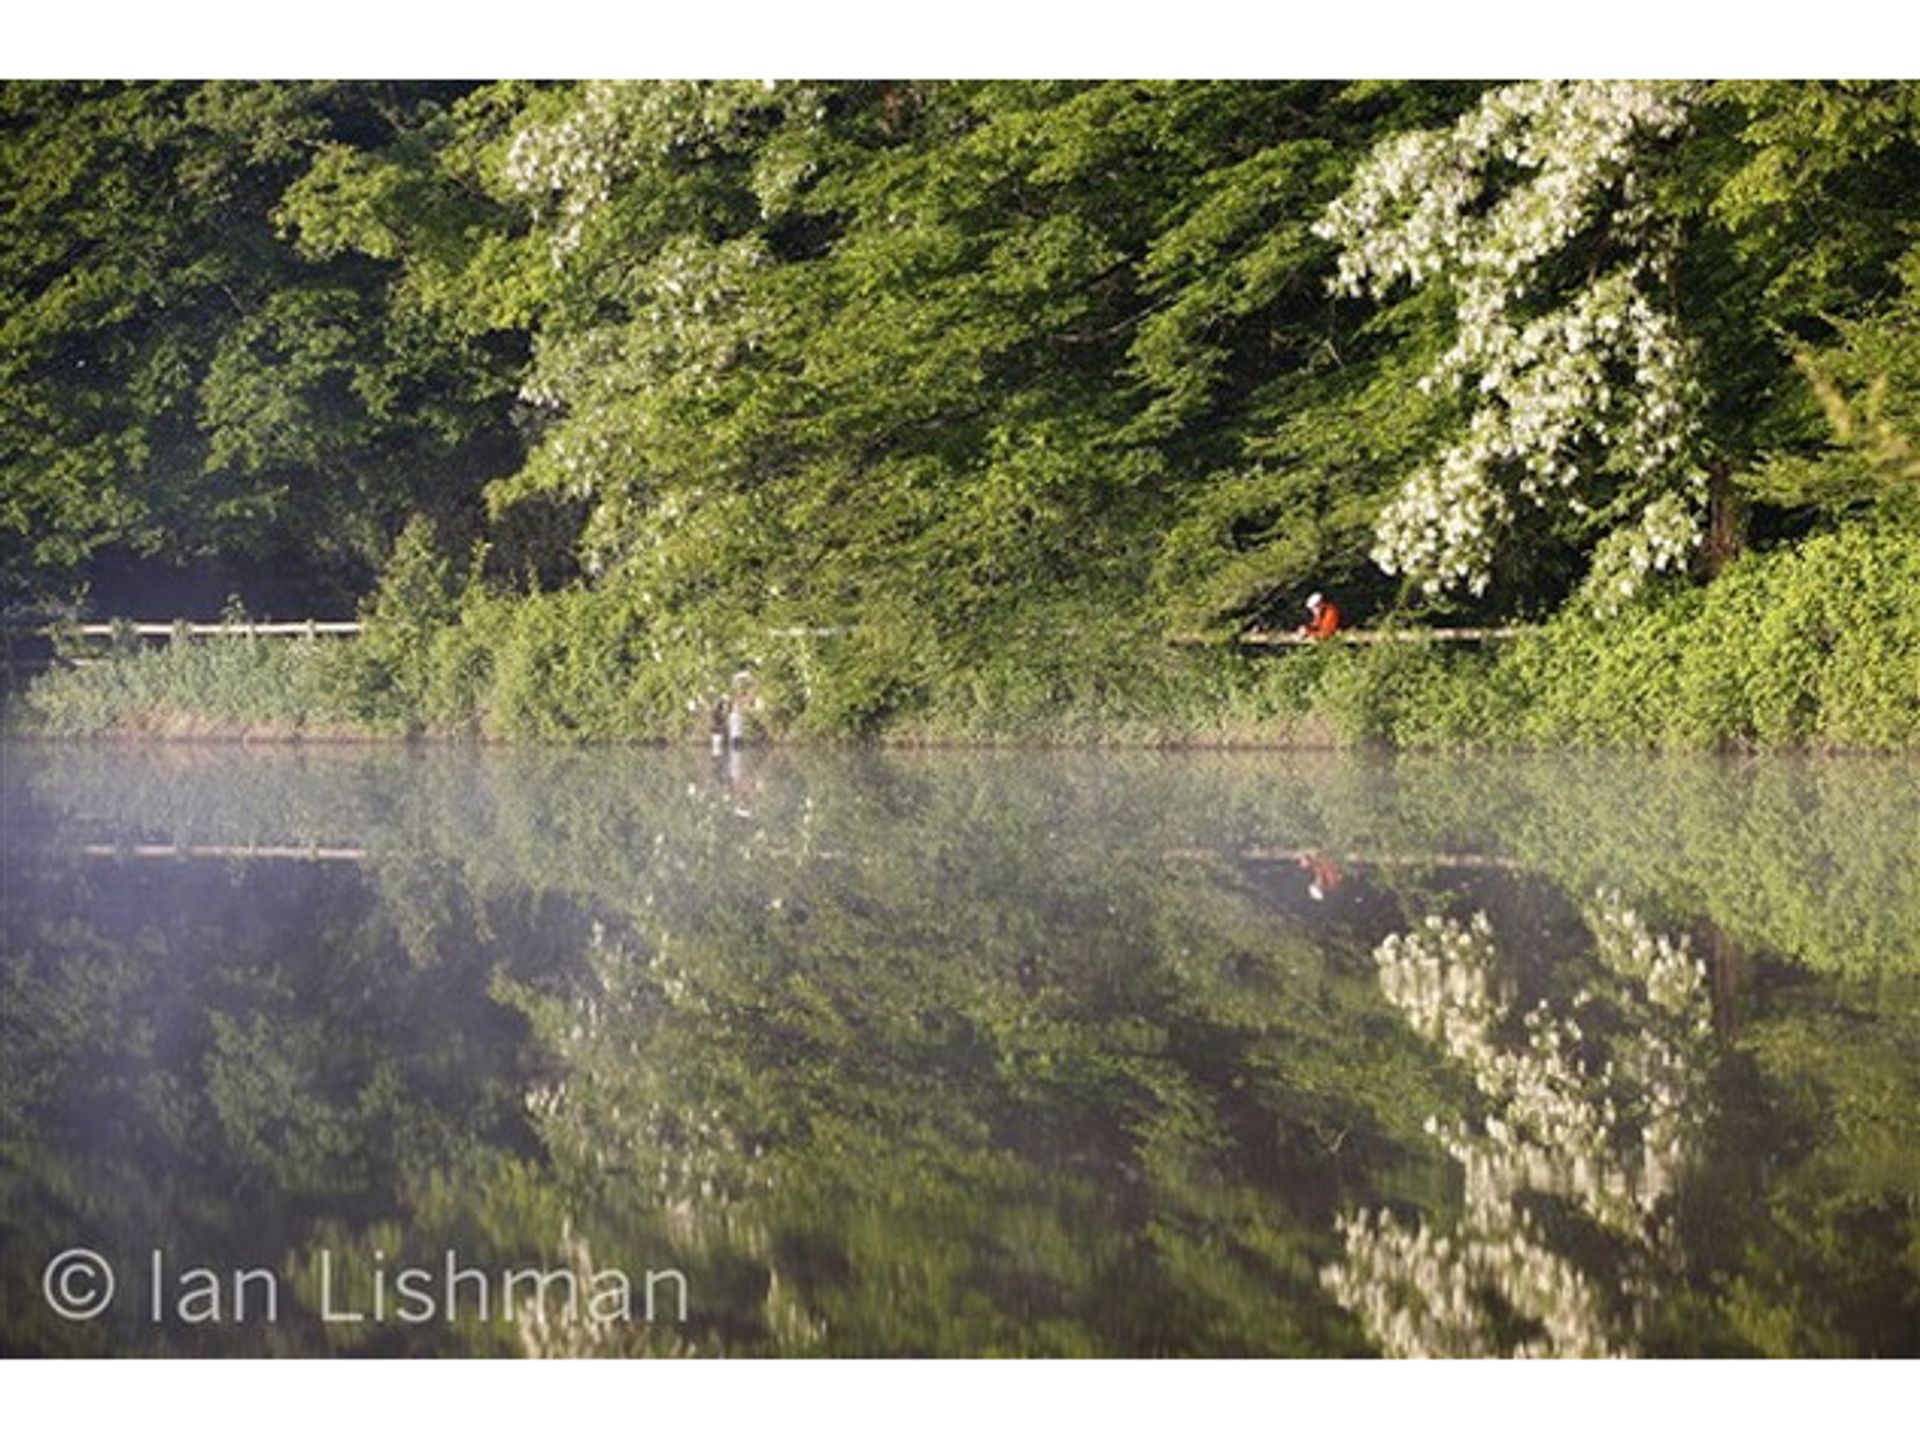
(1726, 523)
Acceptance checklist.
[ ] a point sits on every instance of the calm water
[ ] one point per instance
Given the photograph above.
(963, 1054)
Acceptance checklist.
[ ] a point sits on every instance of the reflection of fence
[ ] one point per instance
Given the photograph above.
(290, 628)
(313, 853)
(1258, 855)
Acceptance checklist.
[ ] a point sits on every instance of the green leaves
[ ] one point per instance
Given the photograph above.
(960, 364)
(975, 354)
(176, 376)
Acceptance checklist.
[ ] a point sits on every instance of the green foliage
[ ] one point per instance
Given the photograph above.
(932, 362)
(1868, 386)
(416, 599)
(1817, 645)
(228, 684)
(939, 406)
(177, 379)
(1814, 646)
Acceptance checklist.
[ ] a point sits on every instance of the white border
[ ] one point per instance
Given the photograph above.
(357, 39)
(854, 1398)
(1269, 39)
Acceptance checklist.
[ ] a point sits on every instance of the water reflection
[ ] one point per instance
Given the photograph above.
(974, 1053)
(1597, 1106)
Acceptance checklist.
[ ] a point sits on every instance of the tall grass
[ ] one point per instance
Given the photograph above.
(219, 684)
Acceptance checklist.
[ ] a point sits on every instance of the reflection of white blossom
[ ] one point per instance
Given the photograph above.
(1439, 978)
(1562, 385)
(1423, 1294)
(1607, 1138)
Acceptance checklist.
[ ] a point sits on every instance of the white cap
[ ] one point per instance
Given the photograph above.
(1316, 599)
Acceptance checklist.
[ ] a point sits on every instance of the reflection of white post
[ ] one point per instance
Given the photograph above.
(716, 722)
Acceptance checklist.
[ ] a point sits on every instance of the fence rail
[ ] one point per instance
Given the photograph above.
(1287, 638)
(29, 649)
(295, 628)
(149, 630)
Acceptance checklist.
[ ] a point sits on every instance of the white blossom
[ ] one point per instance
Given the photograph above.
(1564, 388)
(570, 165)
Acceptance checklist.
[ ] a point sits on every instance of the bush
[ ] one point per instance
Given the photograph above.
(1818, 644)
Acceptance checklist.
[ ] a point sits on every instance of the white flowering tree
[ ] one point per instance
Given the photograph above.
(1608, 1140)
(648, 204)
(1578, 390)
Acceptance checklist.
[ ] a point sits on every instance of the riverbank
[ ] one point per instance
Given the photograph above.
(1813, 647)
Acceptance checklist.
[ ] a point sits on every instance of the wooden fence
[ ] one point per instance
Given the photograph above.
(1287, 638)
(295, 628)
(290, 629)
(28, 649)
(40, 637)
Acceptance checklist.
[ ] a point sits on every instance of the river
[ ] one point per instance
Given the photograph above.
(363, 1049)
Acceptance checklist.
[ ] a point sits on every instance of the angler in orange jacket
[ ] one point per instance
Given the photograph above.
(1325, 622)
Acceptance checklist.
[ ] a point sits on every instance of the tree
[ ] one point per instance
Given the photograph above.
(1578, 399)
(178, 380)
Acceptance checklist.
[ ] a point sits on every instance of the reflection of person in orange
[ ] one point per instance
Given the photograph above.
(1325, 620)
(1323, 875)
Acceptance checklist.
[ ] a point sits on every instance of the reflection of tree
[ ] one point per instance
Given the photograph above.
(1815, 862)
(1590, 1119)
(212, 1059)
(910, 1058)
(989, 1114)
